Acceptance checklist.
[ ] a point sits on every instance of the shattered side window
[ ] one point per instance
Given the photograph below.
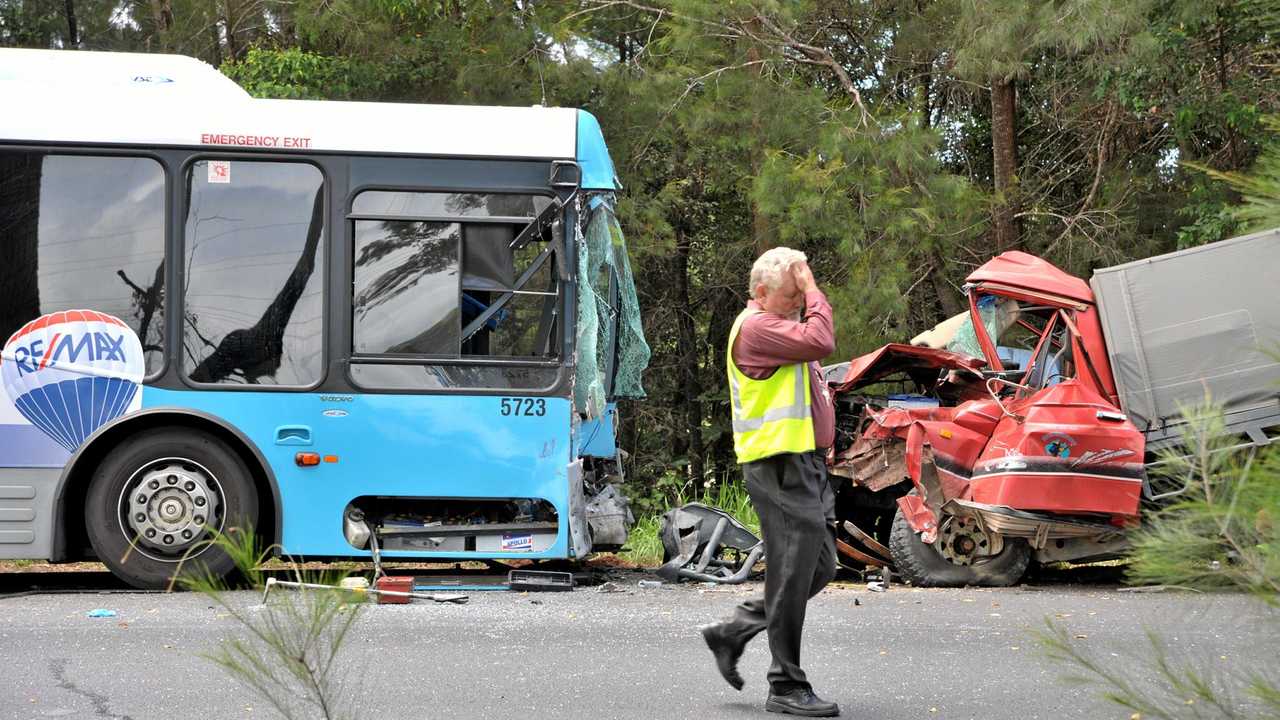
(450, 274)
(460, 280)
(1053, 363)
(527, 323)
(405, 287)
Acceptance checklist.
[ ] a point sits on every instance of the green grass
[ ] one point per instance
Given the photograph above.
(644, 546)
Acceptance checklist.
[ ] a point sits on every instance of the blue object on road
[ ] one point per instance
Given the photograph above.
(100, 613)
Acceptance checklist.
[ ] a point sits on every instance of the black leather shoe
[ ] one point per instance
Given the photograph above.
(726, 653)
(801, 702)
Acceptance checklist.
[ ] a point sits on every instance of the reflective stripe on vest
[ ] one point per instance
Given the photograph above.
(798, 410)
(785, 422)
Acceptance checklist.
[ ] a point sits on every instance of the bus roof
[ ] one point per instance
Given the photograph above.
(59, 71)
(61, 96)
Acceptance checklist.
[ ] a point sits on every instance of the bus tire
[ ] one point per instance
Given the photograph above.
(156, 500)
(922, 565)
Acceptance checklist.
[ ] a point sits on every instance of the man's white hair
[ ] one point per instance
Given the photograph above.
(771, 266)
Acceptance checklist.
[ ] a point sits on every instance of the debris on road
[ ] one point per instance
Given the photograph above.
(540, 580)
(272, 582)
(706, 544)
(101, 613)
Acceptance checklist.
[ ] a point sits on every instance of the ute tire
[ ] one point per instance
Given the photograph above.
(109, 534)
(923, 566)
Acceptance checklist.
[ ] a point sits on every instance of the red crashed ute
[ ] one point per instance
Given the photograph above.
(1002, 437)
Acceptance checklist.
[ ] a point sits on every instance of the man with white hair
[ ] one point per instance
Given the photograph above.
(783, 425)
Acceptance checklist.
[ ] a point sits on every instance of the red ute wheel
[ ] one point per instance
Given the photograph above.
(927, 565)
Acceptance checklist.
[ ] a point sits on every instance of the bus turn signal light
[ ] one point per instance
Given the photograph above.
(307, 459)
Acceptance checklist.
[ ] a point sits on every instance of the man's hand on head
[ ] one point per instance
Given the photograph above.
(804, 277)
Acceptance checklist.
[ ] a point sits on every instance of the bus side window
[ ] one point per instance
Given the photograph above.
(436, 274)
(253, 305)
(525, 325)
(406, 287)
(83, 232)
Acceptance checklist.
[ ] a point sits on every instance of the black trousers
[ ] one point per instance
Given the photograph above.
(796, 505)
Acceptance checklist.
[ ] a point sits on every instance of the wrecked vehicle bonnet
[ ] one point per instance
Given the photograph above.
(921, 363)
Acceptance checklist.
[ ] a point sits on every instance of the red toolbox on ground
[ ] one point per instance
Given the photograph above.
(394, 583)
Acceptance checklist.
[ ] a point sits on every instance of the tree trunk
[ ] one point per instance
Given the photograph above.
(284, 13)
(231, 18)
(760, 235)
(725, 306)
(948, 299)
(215, 44)
(1233, 154)
(1004, 145)
(73, 32)
(924, 95)
(628, 434)
(690, 403)
(724, 310)
(162, 16)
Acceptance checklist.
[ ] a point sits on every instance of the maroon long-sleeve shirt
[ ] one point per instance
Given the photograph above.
(767, 341)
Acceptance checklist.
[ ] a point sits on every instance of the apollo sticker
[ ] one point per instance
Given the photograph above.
(220, 171)
(514, 542)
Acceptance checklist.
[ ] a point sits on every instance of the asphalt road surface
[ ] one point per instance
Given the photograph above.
(631, 653)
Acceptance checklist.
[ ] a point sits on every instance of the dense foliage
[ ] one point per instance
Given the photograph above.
(900, 143)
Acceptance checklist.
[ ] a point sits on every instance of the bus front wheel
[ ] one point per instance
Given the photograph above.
(159, 498)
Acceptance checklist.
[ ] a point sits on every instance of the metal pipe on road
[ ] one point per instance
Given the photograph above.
(446, 598)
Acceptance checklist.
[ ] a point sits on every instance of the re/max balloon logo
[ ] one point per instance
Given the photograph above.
(71, 372)
(89, 347)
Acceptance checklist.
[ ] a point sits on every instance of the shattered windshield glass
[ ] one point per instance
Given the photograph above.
(611, 344)
(998, 315)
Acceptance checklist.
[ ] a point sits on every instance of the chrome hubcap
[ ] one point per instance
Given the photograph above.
(169, 506)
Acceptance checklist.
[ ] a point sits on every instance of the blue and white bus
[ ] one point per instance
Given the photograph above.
(351, 326)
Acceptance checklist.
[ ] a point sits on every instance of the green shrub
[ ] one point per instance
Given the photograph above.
(289, 650)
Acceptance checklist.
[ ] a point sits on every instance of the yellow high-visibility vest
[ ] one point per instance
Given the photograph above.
(770, 416)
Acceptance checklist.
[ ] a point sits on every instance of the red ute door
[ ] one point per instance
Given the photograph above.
(1061, 447)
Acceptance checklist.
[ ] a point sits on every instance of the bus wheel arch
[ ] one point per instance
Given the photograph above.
(71, 540)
